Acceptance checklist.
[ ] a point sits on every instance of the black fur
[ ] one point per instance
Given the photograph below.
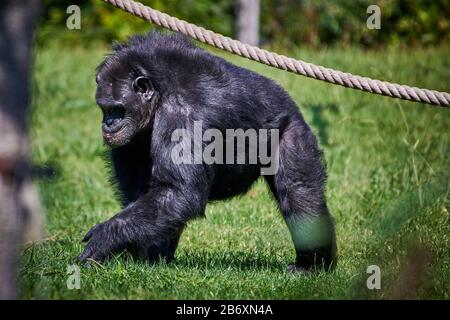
(179, 84)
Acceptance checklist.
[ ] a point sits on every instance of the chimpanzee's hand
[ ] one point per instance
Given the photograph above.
(101, 242)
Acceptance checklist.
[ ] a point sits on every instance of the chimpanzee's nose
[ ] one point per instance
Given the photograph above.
(109, 122)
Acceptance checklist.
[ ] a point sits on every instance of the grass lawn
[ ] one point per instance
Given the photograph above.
(388, 189)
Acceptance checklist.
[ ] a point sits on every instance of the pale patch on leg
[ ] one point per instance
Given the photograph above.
(310, 232)
(32, 205)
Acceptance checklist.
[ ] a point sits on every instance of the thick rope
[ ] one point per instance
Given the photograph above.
(345, 79)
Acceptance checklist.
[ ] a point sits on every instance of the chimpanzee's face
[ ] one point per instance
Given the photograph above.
(126, 96)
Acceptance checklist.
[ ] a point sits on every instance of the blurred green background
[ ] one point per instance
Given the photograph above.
(284, 23)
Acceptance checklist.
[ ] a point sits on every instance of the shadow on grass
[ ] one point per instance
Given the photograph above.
(319, 119)
(234, 260)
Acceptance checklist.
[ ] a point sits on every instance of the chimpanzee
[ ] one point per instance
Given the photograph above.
(155, 84)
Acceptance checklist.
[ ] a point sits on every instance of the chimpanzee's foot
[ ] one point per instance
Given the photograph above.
(323, 258)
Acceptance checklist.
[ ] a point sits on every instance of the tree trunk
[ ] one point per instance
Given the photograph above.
(248, 21)
(17, 20)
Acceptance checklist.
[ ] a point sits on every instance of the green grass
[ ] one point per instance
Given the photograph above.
(388, 189)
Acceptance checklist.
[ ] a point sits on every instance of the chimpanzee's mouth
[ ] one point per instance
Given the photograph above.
(113, 120)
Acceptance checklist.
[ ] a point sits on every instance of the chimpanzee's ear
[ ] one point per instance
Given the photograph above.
(144, 87)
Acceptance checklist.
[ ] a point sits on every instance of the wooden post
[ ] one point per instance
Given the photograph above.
(16, 29)
(248, 21)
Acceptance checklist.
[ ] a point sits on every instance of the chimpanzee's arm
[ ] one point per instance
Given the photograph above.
(152, 220)
(177, 192)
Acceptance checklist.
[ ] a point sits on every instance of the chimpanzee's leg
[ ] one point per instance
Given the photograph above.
(299, 186)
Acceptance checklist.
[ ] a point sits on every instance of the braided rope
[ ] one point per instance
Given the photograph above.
(345, 79)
